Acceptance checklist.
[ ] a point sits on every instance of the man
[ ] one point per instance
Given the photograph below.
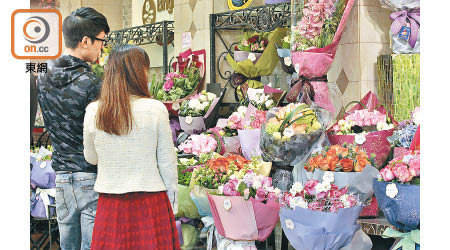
(63, 94)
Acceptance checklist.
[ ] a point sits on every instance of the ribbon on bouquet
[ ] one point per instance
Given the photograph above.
(240, 80)
(44, 196)
(408, 240)
(401, 17)
(303, 85)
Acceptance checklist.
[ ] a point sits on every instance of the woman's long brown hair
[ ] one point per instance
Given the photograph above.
(125, 75)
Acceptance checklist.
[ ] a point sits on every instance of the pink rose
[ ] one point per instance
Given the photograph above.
(322, 195)
(387, 174)
(315, 205)
(310, 187)
(402, 173)
(272, 197)
(267, 182)
(229, 189)
(414, 166)
(336, 206)
(261, 194)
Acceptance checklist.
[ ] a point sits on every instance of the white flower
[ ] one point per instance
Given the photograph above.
(194, 103)
(360, 138)
(220, 189)
(289, 224)
(262, 98)
(289, 132)
(184, 160)
(175, 106)
(341, 123)
(252, 57)
(277, 191)
(328, 177)
(269, 103)
(203, 98)
(288, 61)
(242, 110)
(382, 126)
(256, 184)
(323, 187)
(211, 96)
(203, 105)
(298, 202)
(344, 200)
(266, 97)
(297, 187)
(188, 119)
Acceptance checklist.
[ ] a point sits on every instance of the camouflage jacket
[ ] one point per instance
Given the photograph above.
(63, 93)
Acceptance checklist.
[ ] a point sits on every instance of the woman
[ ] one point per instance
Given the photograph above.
(128, 136)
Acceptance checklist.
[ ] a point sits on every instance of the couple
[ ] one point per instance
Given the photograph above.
(114, 157)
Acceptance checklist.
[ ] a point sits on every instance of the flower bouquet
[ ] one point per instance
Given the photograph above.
(246, 208)
(319, 215)
(186, 207)
(249, 134)
(315, 38)
(203, 143)
(367, 125)
(230, 130)
(216, 172)
(289, 136)
(398, 193)
(184, 81)
(402, 138)
(99, 66)
(43, 181)
(247, 73)
(199, 112)
(251, 47)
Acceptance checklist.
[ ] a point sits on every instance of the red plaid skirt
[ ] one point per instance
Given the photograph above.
(134, 221)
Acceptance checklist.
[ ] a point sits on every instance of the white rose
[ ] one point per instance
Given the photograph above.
(266, 97)
(194, 103)
(242, 110)
(175, 106)
(261, 99)
(211, 96)
(297, 187)
(256, 184)
(202, 105)
(203, 98)
(323, 187)
(269, 103)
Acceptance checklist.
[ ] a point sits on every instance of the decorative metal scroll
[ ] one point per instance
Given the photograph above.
(140, 35)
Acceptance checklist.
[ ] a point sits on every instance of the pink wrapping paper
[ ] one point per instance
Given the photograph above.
(316, 62)
(237, 223)
(376, 142)
(246, 220)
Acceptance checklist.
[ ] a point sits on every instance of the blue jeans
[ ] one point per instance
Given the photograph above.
(76, 205)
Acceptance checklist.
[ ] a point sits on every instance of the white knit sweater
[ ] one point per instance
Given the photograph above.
(144, 160)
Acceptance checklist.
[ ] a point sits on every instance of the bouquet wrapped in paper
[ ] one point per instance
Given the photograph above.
(291, 132)
(398, 191)
(405, 31)
(402, 138)
(247, 72)
(199, 112)
(346, 165)
(230, 130)
(203, 143)
(319, 215)
(247, 208)
(183, 82)
(186, 207)
(252, 45)
(314, 40)
(368, 125)
(43, 181)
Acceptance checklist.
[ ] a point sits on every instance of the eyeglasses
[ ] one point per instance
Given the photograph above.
(102, 40)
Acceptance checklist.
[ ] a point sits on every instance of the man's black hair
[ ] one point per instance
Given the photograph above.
(82, 22)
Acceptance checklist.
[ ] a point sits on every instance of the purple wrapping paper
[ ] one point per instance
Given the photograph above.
(196, 127)
(249, 140)
(180, 233)
(174, 126)
(315, 230)
(42, 174)
(39, 208)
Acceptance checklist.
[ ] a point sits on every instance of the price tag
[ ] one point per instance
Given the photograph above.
(43, 164)
(227, 204)
(391, 190)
